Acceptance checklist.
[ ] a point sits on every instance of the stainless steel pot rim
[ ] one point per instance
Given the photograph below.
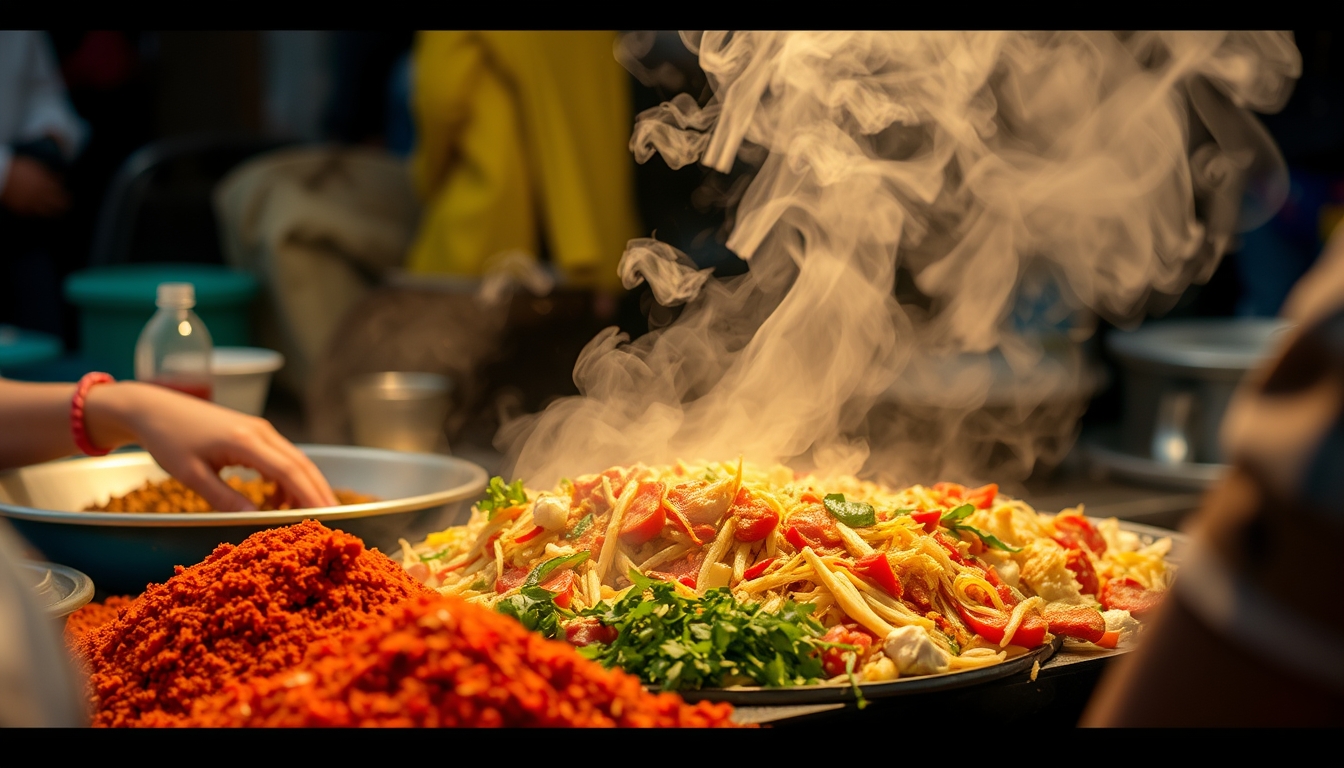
(1201, 346)
(468, 489)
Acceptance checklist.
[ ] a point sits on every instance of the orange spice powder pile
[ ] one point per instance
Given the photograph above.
(92, 616)
(246, 610)
(441, 661)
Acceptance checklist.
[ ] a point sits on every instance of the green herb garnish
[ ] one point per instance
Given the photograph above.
(952, 521)
(855, 514)
(544, 571)
(677, 643)
(499, 496)
(583, 526)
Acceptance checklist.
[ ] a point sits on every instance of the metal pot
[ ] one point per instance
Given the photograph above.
(1178, 378)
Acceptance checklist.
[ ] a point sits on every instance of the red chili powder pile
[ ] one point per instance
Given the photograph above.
(252, 609)
(444, 662)
(92, 616)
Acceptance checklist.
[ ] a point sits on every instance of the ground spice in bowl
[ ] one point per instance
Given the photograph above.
(445, 662)
(252, 609)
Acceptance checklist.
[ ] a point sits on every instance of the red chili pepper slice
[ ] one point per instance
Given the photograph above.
(1030, 633)
(878, 568)
(530, 535)
(758, 569)
(928, 518)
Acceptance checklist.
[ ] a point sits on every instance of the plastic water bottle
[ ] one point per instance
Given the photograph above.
(174, 349)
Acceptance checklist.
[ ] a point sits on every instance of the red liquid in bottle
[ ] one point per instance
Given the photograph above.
(195, 388)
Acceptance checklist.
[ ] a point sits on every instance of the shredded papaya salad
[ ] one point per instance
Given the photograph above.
(878, 584)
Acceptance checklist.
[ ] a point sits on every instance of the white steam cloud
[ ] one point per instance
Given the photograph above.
(1099, 166)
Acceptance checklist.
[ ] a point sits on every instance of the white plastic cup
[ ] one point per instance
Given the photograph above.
(242, 377)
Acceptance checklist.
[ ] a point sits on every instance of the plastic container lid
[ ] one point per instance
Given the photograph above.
(176, 295)
(133, 286)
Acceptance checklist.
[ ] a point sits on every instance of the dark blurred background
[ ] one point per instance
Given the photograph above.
(135, 88)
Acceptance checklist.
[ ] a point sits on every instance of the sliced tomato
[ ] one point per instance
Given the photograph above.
(1077, 621)
(687, 568)
(878, 568)
(1083, 572)
(1110, 639)
(982, 497)
(814, 527)
(510, 578)
(589, 488)
(1030, 633)
(1129, 595)
(758, 569)
(810, 497)
(755, 518)
(562, 584)
(588, 630)
(644, 518)
(833, 659)
(950, 491)
(1075, 531)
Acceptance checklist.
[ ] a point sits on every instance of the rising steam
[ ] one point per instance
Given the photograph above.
(1093, 167)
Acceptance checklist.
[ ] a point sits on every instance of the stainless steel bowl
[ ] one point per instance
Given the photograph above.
(123, 552)
(1179, 376)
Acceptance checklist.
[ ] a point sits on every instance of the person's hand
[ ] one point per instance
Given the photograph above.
(30, 189)
(193, 440)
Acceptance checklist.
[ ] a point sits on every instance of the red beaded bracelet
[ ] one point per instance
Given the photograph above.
(77, 426)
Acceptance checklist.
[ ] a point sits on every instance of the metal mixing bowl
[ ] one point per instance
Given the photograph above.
(123, 552)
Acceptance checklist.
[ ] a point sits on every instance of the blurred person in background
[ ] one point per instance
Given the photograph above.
(1252, 633)
(521, 146)
(40, 135)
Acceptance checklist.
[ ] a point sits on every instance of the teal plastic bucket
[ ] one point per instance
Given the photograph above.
(20, 349)
(115, 303)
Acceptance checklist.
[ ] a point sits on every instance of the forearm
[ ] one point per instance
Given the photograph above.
(34, 422)
(35, 419)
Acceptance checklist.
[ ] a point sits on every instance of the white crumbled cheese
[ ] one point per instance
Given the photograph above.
(718, 576)
(1122, 622)
(914, 652)
(551, 512)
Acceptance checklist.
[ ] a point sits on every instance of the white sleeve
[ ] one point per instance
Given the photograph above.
(49, 109)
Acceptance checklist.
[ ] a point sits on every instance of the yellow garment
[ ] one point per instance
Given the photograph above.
(516, 130)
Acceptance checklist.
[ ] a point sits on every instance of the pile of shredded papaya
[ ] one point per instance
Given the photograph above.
(305, 626)
(445, 662)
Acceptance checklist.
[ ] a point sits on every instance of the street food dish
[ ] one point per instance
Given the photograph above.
(890, 583)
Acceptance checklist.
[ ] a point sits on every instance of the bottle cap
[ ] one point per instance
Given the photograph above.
(176, 295)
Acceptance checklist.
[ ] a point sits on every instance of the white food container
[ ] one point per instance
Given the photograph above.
(242, 377)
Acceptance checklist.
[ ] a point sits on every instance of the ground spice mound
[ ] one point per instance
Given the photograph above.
(445, 662)
(92, 616)
(246, 610)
